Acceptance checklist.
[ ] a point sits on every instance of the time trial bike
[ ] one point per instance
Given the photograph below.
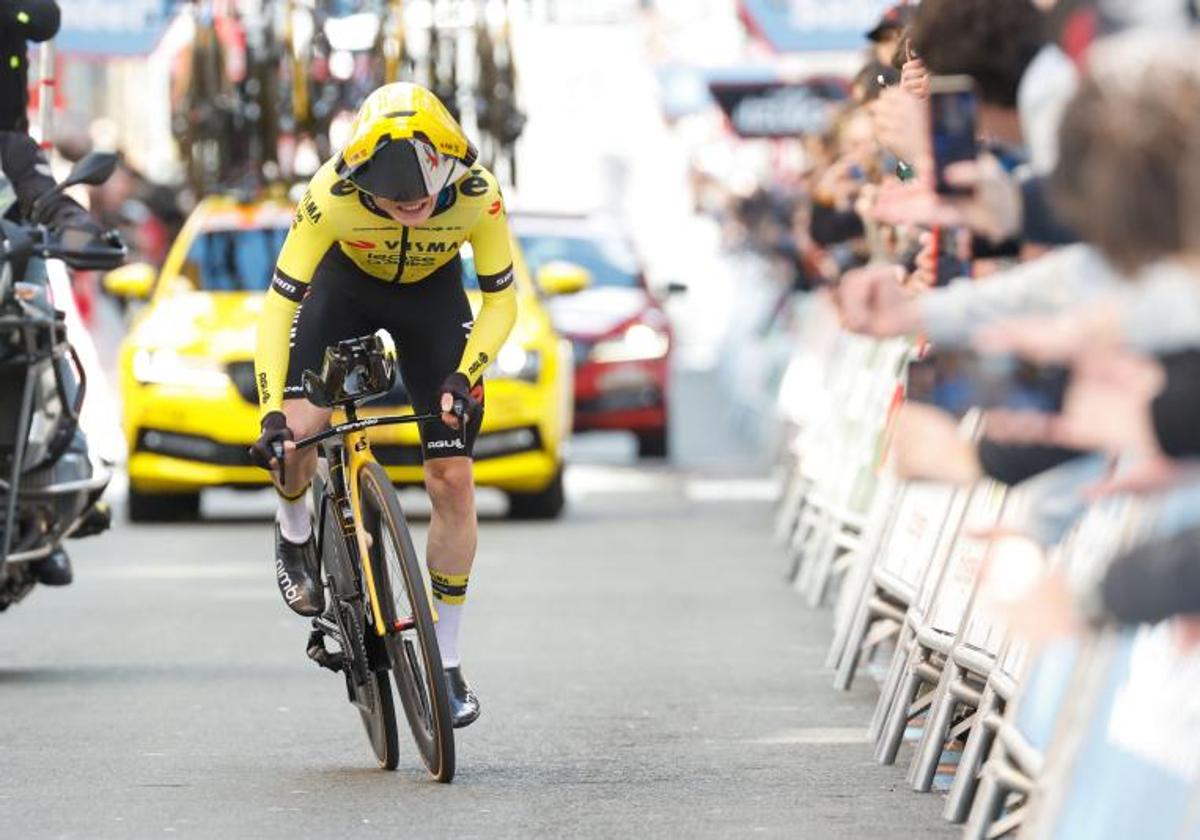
(378, 611)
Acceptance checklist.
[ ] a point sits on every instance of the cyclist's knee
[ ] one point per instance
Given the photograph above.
(304, 418)
(450, 482)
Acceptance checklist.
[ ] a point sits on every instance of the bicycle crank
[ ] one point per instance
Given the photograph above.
(317, 652)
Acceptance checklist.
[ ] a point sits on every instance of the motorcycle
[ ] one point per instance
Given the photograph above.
(49, 484)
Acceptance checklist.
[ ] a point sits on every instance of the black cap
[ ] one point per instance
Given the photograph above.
(895, 18)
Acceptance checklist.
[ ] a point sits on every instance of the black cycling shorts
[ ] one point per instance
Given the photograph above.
(429, 321)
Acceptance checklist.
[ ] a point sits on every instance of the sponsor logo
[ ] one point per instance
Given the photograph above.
(434, 247)
(496, 208)
(431, 156)
(375, 258)
(456, 443)
(310, 208)
(361, 244)
(478, 365)
(496, 282)
(473, 187)
(291, 592)
(264, 395)
(342, 188)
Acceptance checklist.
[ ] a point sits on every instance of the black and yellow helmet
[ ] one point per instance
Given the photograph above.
(404, 145)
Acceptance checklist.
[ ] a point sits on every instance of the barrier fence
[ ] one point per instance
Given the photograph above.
(1092, 737)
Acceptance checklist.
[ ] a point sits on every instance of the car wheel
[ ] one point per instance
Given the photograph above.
(163, 507)
(547, 504)
(652, 444)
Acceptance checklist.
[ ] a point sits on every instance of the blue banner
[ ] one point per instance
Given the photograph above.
(793, 26)
(108, 28)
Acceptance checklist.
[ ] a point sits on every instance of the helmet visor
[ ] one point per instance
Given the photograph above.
(393, 172)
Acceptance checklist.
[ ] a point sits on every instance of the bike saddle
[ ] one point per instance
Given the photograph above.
(353, 371)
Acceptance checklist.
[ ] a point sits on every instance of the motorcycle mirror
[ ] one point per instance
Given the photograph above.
(92, 169)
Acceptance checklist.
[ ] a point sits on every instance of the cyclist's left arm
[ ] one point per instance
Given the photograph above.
(310, 237)
(494, 265)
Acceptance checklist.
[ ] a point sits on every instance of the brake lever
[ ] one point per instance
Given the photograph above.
(459, 410)
(277, 451)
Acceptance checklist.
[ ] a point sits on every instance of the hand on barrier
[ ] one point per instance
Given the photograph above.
(928, 445)
(872, 301)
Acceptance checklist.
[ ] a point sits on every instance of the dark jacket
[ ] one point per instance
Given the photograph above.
(26, 169)
(21, 21)
(1155, 581)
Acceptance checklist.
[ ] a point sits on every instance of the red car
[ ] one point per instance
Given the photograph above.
(619, 330)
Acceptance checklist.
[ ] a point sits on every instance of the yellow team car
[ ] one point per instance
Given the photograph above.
(187, 374)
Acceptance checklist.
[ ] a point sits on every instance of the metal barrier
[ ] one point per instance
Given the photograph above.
(1035, 728)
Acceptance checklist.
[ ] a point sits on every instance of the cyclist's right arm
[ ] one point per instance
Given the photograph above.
(305, 246)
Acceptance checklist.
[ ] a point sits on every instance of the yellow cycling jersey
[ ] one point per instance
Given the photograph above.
(335, 214)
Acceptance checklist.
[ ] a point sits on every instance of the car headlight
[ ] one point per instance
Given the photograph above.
(639, 342)
(515, 362)
(168, 367)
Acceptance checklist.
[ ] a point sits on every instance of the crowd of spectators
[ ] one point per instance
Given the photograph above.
(1070, 258)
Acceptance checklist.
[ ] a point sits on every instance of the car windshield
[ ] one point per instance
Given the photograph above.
(608, 263)
(234, 260)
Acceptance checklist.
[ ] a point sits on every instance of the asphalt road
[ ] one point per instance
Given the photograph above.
(643, 671)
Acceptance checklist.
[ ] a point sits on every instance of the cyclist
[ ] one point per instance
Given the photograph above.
(375, 244)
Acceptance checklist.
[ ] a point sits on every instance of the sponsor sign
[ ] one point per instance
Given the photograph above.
(812, 25)
(779, 109)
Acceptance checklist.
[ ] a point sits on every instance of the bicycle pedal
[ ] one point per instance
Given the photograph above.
(318, 653)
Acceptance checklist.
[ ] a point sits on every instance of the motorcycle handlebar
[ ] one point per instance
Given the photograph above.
(22, 242)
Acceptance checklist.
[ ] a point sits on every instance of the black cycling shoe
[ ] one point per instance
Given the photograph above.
(298, 573)
(464, 705)
(54, 569)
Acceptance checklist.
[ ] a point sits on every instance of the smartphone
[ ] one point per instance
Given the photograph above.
(951, 247)
(954, 117)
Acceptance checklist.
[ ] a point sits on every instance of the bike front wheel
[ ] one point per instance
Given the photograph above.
(367, 685)
(410, 640)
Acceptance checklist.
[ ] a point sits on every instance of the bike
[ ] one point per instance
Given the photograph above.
(378, 608)
(50, 487)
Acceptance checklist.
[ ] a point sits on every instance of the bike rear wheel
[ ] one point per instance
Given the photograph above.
(368, 688)
(411, 643)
